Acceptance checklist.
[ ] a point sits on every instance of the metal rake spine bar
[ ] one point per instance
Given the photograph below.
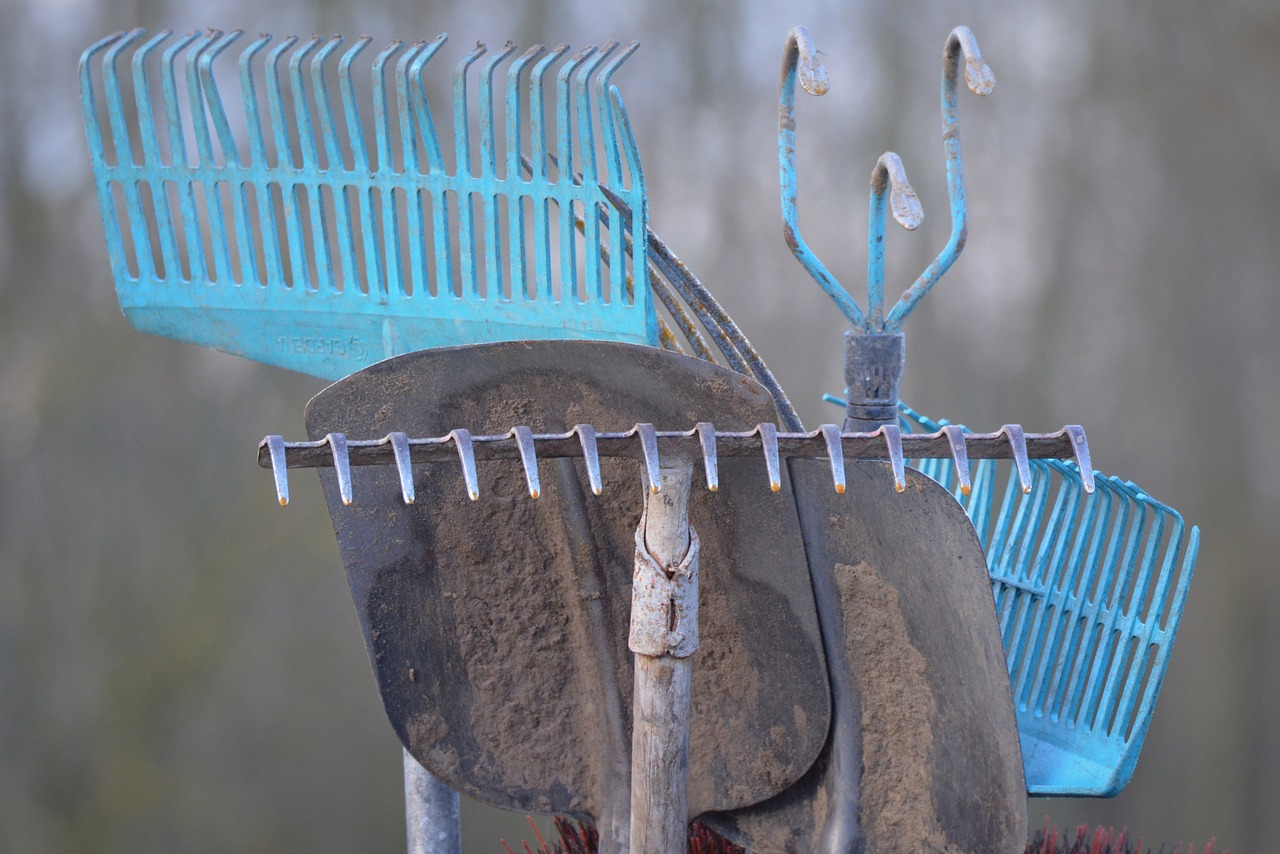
(648, 445)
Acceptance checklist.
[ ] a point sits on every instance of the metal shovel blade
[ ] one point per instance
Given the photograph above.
(940, 763)
(497, 628)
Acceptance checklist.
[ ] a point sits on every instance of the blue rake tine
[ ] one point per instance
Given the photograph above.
(515, 161)
(594, 284)
(981, 82)
(389, 220)
(564, 175)
(613, 166)
(151, 155)
(538, 168)
(271, 263)
(489, 176)
(426, 132)
(213, 41)
(333, 157)
(231, 157)
(470, 281)
(409, 71)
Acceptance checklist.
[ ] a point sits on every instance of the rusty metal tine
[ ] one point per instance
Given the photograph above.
(587, 437)
(893, 443)
(1018, 445)
(400, 447)
(707, 439)
(835, 453)
(279, 467)
(341, 464)
(769, 443)
(1080, 445)
(528, 458)
(467, 456)
(960, 454)
(649, 445)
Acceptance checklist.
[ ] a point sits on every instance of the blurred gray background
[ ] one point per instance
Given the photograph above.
(180, 667)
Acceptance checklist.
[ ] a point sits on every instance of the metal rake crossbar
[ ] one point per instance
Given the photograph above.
(643, 442)
(306, 187)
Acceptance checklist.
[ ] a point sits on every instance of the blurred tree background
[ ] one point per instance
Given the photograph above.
(179, 664)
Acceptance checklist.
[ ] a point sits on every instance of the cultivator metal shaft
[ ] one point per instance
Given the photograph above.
(650, 446)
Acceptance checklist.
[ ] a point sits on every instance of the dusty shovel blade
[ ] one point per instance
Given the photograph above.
(497, 628)
(941, 766)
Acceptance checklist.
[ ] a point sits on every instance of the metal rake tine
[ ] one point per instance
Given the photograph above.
(528, 458)
(769, 444)
(981, 82)
(893, 444)
(1080, 446)
(800, 59)
(404, 465)
(341, 465)
(1018, 445)
(960, 454)
(835, 453)
(467, 456)
(279, 467)
(707, 439)
(590, 455)
(888, 183)
(649, 447)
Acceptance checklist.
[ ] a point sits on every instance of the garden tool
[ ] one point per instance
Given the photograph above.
(324, 259)
(1090, 590)
(897, 565)
(498, 628)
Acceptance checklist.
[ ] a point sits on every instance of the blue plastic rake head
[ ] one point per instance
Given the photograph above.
(340, 234)
(1089, 591)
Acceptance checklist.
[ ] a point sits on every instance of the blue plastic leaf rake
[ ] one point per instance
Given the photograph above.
(1089, 590)
(343, 232)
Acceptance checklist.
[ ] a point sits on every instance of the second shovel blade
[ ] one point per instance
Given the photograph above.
(497, 629)
(941, 767)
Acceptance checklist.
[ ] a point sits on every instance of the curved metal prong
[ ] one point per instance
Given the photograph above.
(981, 82)
(893, 444)
(1080, 447)
(467, 456)
(649, 447)
(960, 455)
(404, 465)
(528, 458)
(279, 467)
(590, 455)
(769, 444)
(835, 453)
(707, 439)
(341, 465)
(800, 59)
(1018, 446)
(888, 183)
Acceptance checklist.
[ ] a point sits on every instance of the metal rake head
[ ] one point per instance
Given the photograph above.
(1089, 587)
(308, 219)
